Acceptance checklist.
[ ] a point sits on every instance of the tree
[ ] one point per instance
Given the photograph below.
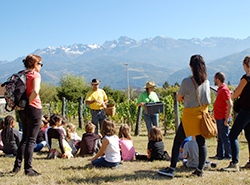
(72, 87)
(177, 84)
(48, 92)
(165, 85)
(117, 95)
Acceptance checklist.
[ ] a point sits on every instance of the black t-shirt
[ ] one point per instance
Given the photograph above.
(156, 148)
(245, 95)
(88, 143)
(40, 136)
(57, 134)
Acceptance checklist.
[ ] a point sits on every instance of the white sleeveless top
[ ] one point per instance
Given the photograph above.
(112, 151)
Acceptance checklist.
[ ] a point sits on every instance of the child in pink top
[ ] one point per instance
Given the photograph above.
(126, 143)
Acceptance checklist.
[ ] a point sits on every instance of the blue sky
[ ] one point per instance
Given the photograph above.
(27, 25)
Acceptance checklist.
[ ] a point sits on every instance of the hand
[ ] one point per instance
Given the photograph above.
(64, 156)
(149, 156)
(97, 101)
(100, 135)
(226, 122)
(142, 104)
(92, 160)
(104, 105)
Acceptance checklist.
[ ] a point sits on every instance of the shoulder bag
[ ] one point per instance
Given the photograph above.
(208, 123)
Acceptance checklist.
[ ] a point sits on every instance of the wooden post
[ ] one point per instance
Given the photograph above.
(176, 111)
(63, 106)
(165, 124)
(66, 108)
(80, 112)
(84, 113)
(138, 121)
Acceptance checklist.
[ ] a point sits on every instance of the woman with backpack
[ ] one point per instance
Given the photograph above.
(31, 116)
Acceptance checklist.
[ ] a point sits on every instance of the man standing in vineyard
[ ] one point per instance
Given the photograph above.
(97, 100)
(222, 113)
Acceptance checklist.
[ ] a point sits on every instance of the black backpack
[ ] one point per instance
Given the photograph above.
(15, 91)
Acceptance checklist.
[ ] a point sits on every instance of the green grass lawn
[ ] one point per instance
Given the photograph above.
(79, 170)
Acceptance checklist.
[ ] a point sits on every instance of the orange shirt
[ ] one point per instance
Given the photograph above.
(29, 88)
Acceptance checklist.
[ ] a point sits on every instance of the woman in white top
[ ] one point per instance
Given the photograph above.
(110, 147)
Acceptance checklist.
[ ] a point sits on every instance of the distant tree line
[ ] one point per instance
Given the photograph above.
(74, 86)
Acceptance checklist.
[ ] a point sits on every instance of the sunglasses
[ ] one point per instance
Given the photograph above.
(40, 64)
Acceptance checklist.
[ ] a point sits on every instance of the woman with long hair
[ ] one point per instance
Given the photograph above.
(242, 120)
(10, 136)
(192, 116)
(31, 116)
(149, 96)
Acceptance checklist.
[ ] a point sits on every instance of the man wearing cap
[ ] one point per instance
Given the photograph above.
(146, 97)
(97, 100)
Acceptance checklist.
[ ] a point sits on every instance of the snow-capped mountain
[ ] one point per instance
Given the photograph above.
(149, 59)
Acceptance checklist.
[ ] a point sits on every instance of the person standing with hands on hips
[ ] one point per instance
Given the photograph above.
(149, 96)
(97, 100)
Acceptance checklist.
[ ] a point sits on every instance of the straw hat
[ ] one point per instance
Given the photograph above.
(95, 81)
(150, 84)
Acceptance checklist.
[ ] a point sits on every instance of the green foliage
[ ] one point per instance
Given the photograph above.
(127, 110)
(116, 95)
(72, 87)
(48, 92)
(165, 85)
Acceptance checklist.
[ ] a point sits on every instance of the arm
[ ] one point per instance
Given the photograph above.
(140, 104)
(36, 88)
(60, 139)
(149, 154)
(180, 98)
(105, 143)
(229, 110)
(237, 92)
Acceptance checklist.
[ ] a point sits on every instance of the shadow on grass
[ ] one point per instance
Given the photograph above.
(137, 176)
(88, 166)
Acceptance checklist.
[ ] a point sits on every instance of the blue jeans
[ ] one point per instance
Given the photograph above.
(97, 117)
(101, 162)
(148, 118)
(39, 146)
(224, 146)
(242, 121)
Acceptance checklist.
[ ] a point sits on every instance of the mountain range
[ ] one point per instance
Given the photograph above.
(159, 59)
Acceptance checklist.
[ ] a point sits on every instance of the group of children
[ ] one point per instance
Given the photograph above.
(107, 149)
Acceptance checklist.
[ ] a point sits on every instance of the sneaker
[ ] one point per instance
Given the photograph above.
(247, 166)
(168, 172)
(166, 156)
(207, 165)
(50, 154)
(15, 170)
(231, 168)
(214, 157)
(197, 172)
(33, 173)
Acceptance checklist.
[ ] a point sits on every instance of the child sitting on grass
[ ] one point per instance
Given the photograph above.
(110, 147)
(72, 138)
(10, 136)
(90, 143)
(126, 143)
(155, 147)
(59, 146)
(191, 155)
